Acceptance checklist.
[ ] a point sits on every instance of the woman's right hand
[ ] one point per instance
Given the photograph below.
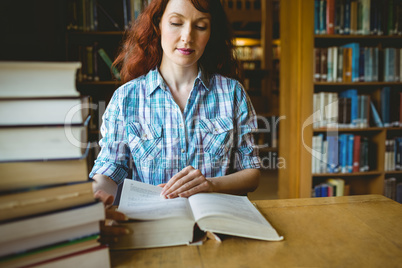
(110, 230)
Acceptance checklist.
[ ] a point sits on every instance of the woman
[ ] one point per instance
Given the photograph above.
(181, 115)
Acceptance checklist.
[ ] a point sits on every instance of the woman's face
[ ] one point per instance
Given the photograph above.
(185, 32)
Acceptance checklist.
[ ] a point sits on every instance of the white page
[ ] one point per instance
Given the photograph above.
(211, 204)
(143, 201)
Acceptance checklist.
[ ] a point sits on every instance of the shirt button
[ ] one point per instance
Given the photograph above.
(181, 125)
(144, 136)
(183, 151)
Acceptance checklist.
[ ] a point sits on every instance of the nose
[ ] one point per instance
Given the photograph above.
(186, 35)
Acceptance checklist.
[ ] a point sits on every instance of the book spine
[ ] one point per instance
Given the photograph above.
(376, 116)
(109, 63)
(343, 153)
(349, 150)
(356, 154)
(385, 104)
(324, 64)
(366, 17)
(317, 64)
(322, 14)
(347, 64)
(361, 64)
(330, 16)
(347, 17)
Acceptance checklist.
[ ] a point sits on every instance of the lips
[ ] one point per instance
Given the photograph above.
(185, 51)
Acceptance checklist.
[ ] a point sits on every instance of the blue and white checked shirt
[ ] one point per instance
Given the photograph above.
(143, 120)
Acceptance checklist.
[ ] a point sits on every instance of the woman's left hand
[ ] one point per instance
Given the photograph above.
(187, 182)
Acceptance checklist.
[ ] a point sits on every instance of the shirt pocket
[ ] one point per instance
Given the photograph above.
(216, 135)
(145, 141)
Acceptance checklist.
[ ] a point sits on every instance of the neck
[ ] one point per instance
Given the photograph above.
(178, 78)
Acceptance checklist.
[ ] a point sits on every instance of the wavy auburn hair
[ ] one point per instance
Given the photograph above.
(141, 49)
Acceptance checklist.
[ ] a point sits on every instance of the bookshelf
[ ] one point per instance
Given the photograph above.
(254, 25)
(298, 61)
(92, 26)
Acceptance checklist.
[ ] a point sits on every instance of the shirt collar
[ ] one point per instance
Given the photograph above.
(155, 80)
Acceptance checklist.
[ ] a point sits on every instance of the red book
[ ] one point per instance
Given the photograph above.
(356, 154)
(330, 16)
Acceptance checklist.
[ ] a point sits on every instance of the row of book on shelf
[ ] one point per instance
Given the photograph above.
(349, 109)
(92, 70)
(393, 189)
(103, 15)
(343, 153)
(45, 190)
(338, 187)
(393, 154)
(331, 187)
(353, 63)
(359, 17)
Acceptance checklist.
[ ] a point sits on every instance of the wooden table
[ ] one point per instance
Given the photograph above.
(350, 231)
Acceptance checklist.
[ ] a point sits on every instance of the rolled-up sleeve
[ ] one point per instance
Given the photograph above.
(114, 155)
(246, 153)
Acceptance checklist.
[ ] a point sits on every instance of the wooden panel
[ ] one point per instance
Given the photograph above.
(296, 89)
(350, 231)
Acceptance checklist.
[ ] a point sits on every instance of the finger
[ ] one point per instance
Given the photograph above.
(161, 185)
(103, 196)
(186, 180)
(191, 180)
(115, 215)
(113, 230)
(203, 187)
(175, 178)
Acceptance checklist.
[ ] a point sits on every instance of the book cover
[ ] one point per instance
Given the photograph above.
(330, 16)
(365, 17)
(354, 61)
(349, 152)
(324, 64)
(45, 142)
(108, 62)
(347, 17)
(36, 200)
(376, 117)
(25, 174)
(20, 79)
(352, 95)
(385, 106)
(48, 111)
(333, 155)
(46, 229)
(343, 153)
(347, 65)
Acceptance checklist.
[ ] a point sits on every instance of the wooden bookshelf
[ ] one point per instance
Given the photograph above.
(297, 89)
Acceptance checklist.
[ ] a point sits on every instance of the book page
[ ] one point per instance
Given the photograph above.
(212, 204)
(142, 201)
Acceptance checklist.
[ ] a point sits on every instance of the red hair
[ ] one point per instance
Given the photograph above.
(141, 49)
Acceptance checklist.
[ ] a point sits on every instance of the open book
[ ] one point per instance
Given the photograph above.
(159, 222)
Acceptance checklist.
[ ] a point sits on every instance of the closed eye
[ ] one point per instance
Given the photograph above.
(201, 28)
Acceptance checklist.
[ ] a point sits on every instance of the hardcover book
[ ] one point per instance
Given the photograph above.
(159, 222)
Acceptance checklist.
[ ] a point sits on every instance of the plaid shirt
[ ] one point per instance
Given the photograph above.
(142, 120)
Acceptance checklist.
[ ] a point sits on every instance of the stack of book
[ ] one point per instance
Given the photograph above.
(353, 63)
(343, 153)
(48, 214)
(393, 189)
(361, 17)
(350, 109)
(331, 187)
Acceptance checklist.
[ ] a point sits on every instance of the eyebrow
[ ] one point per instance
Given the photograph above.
(180, 15)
